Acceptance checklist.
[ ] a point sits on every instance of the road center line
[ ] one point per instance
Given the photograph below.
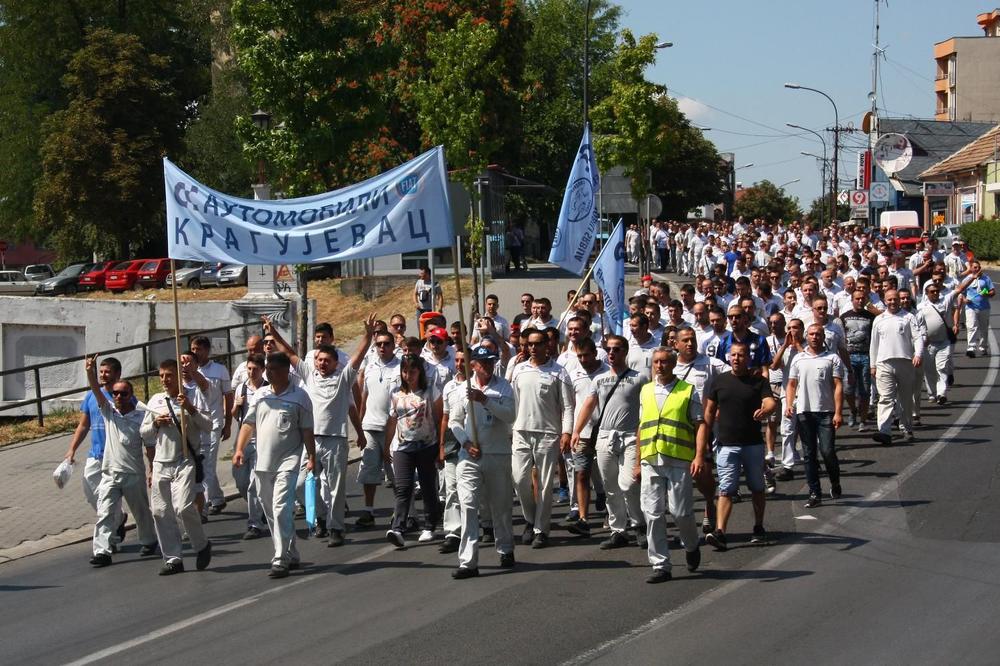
(218, 610)
(884, 489)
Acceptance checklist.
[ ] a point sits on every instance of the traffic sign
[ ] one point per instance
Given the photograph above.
(3, 246)
(878, 192)
(859, 198)
(843, 197)
(859, 212)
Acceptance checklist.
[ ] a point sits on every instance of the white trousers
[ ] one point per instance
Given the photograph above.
(113, 487)
(91, 478)
(331, 455)
(977, 327)
(246, 484)
(616, 460)
(935, 367)
(449, 500)
(894, 379)
(173, 492)
(667, 488)
(277, 494)
(485, 482)
(535, 450)
(210, 449)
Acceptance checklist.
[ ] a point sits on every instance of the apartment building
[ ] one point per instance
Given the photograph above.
(967, 72)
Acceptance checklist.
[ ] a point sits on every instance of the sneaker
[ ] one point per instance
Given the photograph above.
(784, 474)
(852, 421)
(862, 427)
(659, 576)
(573, 516)
(395, 537)
(319, 532)
(813, 502)
(147, 550)
(462, 573)
(450, 544)
(579, 528)
(506, 560)
(100, 560)
(908, 435)
(941, 400)
(707, 525)
(882, 438)
(278, 571)
(601, 503)
(253, 533)
(769, 484)
(172, 567)
(204, 557)
(336, 539)
(216, 509)
(717, 539)
(541, 540)
(970, 353)
(425, 536)
(528, 535)
(759, 536)
(693, 558)
(300, 510)
(835, 491)
(388, 484)
(616, 540)
(487, 536)
(916, 422)
(366, 519)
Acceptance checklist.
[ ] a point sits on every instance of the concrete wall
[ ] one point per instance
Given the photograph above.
(36, 330)
(977, 77)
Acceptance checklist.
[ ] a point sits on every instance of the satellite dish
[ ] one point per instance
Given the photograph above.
(893, 153)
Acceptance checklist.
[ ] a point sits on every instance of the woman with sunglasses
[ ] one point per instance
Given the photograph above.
(412, 446)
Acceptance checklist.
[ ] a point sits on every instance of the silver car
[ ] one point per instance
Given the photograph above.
(232, 275)
(38, 272)
(13, 283)
(188, 274)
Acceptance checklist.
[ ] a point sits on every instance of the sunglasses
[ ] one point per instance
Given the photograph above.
(122, 394)
(436, 341)
(383, 344)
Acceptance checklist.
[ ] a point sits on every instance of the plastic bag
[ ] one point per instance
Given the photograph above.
(62, 473)
(310, 493)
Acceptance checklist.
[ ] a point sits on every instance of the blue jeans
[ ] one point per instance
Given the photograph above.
(816, 432)
(730, 459)
(861, 372)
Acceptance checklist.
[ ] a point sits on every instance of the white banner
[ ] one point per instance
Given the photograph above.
(609, 273)
(402, 210)
(577, 228)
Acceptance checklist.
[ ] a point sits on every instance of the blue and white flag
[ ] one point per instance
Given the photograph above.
(609, 273)
(578, 217)
(402, 210)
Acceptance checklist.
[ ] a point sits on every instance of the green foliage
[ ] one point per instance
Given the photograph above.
(101, 178)
(630, 122)
(819, 211)
(983, 237)
(765, 201)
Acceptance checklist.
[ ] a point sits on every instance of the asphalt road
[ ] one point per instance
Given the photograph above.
(900, 570)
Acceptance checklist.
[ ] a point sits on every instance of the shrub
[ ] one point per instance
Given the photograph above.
(983, 237)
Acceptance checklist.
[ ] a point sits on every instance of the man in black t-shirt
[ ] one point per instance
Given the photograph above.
(740, 401)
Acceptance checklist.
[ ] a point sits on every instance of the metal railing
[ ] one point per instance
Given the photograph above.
(36, 369)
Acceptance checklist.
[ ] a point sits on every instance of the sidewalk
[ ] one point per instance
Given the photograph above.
(36, 516)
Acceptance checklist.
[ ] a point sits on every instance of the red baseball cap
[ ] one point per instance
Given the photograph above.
(437, 332)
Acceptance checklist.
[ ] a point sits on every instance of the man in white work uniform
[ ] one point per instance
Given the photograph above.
(379, 377)
(220, 406)
(246, 391)
(897, 347)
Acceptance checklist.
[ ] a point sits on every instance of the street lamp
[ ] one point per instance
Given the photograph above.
(823, 141)
(782, 186)
(746, 166)
(836, 143)
(262, 120)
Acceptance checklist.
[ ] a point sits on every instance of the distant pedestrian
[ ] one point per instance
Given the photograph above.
(427, 294)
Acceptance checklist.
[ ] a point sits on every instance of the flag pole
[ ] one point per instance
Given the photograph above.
(586, 276)
(177, 352)
(465, 346)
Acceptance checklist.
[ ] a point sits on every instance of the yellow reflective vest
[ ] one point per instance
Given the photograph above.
(667, 431)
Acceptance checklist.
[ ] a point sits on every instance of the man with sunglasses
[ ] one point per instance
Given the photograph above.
(521, 318)
(123, 468)
(759, 355)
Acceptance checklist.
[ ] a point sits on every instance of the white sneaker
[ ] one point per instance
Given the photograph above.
(425, 536)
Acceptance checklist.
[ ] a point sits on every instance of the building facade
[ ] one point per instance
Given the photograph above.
(968, 69)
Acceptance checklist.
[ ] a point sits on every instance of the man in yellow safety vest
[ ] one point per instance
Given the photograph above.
(672, 440)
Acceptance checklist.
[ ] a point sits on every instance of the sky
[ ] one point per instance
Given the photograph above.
(730, 60)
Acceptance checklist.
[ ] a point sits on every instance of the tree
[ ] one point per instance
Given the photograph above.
(765, 201)
(102, 179)
(819, 211)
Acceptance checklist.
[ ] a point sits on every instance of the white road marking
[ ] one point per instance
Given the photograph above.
(886, 488)
(215, 612)
(806, 516)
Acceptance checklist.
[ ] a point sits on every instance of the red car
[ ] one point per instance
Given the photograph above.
(154, 273)
(94, 279)
(124, 276)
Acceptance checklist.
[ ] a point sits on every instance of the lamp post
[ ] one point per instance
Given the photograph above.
(836, 143)
(833, 197)
(823, 161)
(782, 186)
(261, 190)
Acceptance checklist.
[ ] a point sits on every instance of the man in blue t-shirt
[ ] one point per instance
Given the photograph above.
(976, 296)
(759, 354)
(91, 420)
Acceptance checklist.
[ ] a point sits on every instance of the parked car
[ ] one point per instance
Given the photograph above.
(188, 275)
(232, 275)
(13, 283)
(94, 278)
(153, 273)
(210, 275)
(945, 234)
(38, 272)
(66, 282)
(124, 276)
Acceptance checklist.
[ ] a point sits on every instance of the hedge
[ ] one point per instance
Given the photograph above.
(983, 237)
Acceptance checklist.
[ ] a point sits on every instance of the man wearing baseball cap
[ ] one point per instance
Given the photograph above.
(437, 352)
